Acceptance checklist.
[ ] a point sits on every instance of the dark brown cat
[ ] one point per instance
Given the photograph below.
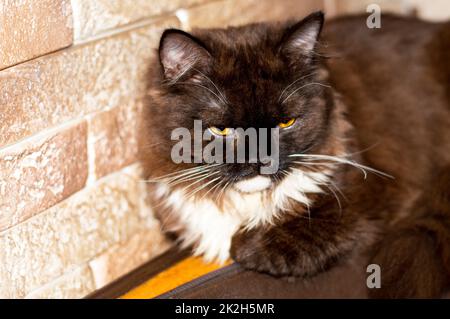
(364, 146)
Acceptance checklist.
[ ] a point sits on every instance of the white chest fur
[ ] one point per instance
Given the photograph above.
(211, 228)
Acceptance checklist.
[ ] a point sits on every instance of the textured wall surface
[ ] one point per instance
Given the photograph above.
(41, 172)
(86, 229)
(73, 206)
(93, 18)
(30, 28)
(237, 12)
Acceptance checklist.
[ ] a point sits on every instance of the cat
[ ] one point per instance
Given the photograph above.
(364, 146)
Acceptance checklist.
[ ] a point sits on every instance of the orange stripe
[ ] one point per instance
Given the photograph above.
(179, 274)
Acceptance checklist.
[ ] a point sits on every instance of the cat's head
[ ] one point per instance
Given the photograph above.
(256, 76)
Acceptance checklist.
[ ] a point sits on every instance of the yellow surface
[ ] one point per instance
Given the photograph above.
(180, 273)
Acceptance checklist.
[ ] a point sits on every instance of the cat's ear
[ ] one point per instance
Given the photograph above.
(180, 53)
(300, 39)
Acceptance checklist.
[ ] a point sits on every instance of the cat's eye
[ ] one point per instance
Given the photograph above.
(287, 123)
(221, 131)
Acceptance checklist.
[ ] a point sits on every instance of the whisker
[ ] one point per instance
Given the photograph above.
(335, 196)
(199, 85)
(363, 168)
(222, 192)
(212, 188)
(362, 151)
(218, 190)
(309, 215)
(188, 178)
(181, 173)
(197, 180)
(295, 81)
(224, 100)
(338, 190)
(209, 167)
(202, 187)
(200, 179)
(193, 176)
(315, 163)
(328, 185)
(285, 172)
(303, 86)
(175, 176)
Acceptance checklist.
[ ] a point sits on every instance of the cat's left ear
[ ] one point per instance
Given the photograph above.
(180, 54)
(300, 39)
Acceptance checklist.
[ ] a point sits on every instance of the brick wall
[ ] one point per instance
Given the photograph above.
(73, 211)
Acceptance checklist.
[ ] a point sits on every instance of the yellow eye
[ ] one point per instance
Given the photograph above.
(221, 132)
(286, 123)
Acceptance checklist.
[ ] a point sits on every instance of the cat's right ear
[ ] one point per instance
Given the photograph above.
(300, 39)
(180, 53)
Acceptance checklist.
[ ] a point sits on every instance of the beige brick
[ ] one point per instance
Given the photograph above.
(38, 173)
(123, 258)
(94, 17)
(76, 284)
(73, 232)
(114, 139)
(438, 10)
(30, 28)
(56, 88)
(238, 12)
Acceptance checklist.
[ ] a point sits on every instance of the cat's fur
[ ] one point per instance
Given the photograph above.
(376, 97)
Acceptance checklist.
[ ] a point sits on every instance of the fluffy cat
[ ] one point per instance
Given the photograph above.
(364, 158)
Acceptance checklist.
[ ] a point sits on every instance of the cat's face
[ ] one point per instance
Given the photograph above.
(257, 76)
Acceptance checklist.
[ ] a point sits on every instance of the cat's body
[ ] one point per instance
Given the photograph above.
(382, 100)
(395, 82)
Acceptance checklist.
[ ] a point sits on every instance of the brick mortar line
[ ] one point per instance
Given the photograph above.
(37, 57)
(49, 132)
(103, 35)
(90, 143)
(108, 32)
(41, 135)
(123, 29)
(123, 170)
(66, 274)
(118, 30)
(136, 24)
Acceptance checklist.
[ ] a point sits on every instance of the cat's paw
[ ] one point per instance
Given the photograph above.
(275, 252)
